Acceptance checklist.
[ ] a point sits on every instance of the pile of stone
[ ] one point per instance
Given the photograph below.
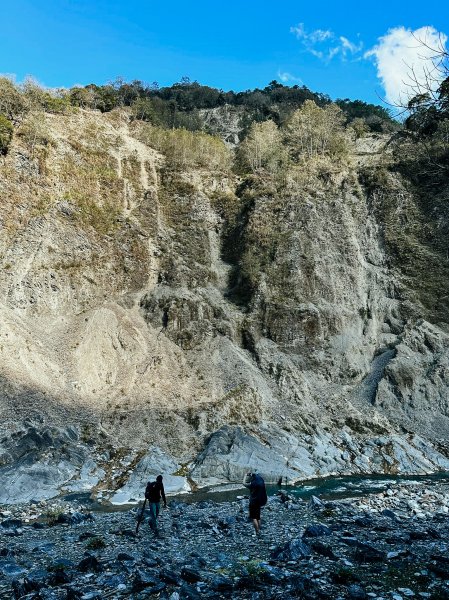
(391, 545)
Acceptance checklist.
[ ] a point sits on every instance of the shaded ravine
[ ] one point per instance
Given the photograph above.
(366, 391)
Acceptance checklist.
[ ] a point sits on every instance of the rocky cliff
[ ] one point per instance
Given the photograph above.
(161, 312)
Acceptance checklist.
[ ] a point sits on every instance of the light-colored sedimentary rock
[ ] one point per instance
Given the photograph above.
(128, 318)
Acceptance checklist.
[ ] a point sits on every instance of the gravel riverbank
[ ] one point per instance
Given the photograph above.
(388, 545)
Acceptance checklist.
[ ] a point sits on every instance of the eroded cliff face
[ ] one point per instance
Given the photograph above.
(187, 320)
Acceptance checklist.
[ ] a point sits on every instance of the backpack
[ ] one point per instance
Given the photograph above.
(152, 492)
(263, 498)
(258, 494)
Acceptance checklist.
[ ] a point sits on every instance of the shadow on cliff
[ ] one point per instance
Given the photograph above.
(234, 248)
(20, 404)
(411, 204)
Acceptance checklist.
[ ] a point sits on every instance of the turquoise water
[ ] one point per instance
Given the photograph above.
(327, 488)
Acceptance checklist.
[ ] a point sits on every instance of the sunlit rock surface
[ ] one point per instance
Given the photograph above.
(303, 332)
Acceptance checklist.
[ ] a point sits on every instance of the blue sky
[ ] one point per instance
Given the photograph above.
(230, 45)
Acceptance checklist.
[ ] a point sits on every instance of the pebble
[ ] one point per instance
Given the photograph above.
(209, 545)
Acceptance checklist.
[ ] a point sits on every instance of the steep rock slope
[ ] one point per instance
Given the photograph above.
(161, 314)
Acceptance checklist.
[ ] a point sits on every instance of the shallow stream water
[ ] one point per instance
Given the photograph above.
(327, 488)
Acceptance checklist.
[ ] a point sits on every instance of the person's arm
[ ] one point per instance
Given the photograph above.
(163, 494)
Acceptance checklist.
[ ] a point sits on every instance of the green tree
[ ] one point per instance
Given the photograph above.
(143, 109)
(377, 118)
(262, 148)
(6, 131)
(39, 98)
(424, 150)
(359, 126)
(12, 102)
(185, 149)
(313, 131)
(84, 97)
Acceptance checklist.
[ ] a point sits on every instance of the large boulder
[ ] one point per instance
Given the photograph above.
(154, 463)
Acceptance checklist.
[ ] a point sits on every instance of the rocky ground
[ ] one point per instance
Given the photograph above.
(387, 545)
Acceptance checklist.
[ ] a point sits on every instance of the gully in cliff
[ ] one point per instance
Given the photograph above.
(257, 497)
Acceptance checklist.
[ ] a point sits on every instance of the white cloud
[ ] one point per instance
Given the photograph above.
(287, 77)
(348, 46)
(333, 52)
(324, 44)
(318, 35)
(317, 53)
(321, 35)
(405, 60)
(298, 30)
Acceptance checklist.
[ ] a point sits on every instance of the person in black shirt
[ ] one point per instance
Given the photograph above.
(153, 493)
(257, 497)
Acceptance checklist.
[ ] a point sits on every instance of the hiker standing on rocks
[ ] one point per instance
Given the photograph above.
(153, 493)
(257, 497)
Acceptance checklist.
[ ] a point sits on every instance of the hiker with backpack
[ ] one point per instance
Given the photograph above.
(153, 493)
(257, 497)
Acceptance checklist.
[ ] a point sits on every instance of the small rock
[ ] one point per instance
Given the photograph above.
(418, 535)
(10, 568)
(59, 577)
(190, 575)
(89, 564)
(440, 568)
(94, 595)
(22, 587)
(188, 592)
(169, 576)
(316, 503)
(363, 522)
(11, 523)
(123, 556)
(356, 592)
(316, 530)
(367, 553)
(220, 583)
(143, 580)
(390, 514)
(350, 541)
(323, 549)
(292, 550)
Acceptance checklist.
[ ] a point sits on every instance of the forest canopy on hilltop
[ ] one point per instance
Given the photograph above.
(180, 105)
(177, 105)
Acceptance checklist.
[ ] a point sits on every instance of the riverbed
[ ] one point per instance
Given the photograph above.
(342, 538)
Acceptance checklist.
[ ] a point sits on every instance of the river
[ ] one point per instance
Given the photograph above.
(327, 488)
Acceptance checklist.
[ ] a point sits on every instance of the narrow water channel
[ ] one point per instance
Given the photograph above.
(327, 488)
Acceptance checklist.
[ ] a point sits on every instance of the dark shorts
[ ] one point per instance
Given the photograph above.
(254, 511)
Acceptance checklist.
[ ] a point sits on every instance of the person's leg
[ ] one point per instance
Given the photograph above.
(157, 506)
(257, 515)
(153, 515)
(254, 515)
